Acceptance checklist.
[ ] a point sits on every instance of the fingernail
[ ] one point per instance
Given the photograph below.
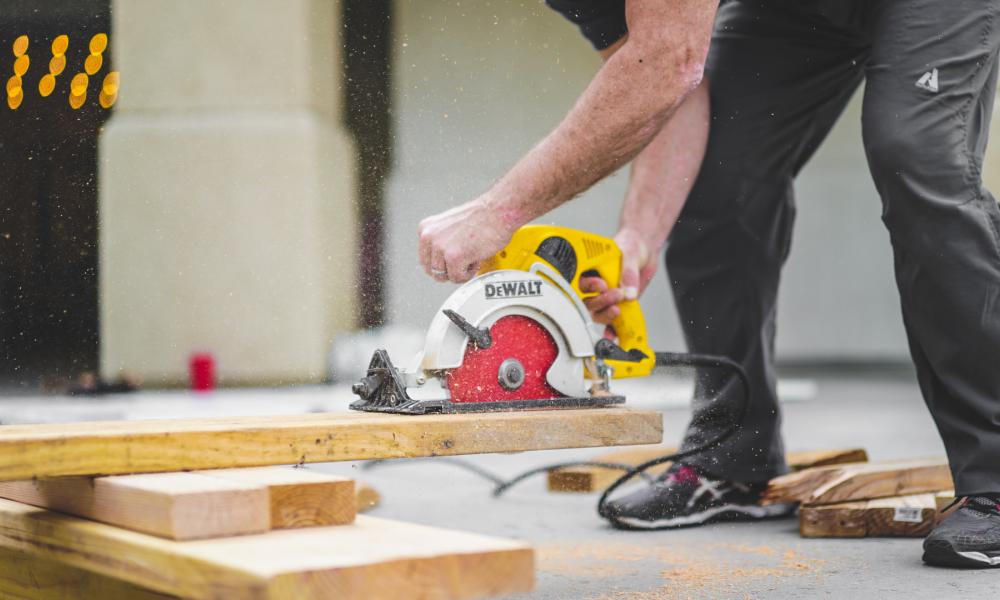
(631, 293)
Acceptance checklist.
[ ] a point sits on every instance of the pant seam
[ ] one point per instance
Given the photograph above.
(973, 170)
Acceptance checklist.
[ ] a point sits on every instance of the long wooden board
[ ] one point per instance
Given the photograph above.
(372, 559)
(903, 516)
(28, 577)
(119, 447)
(596, 479)
(862, 481)
(180, 506)
(298, 497)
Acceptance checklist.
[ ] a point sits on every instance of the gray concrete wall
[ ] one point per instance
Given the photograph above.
(477, 84)
(227, 192)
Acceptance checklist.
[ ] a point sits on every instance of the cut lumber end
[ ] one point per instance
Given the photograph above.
(298, 497)
(366, 497)
(904, 516)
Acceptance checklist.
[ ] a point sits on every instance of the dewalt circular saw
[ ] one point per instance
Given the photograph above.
(519, 336)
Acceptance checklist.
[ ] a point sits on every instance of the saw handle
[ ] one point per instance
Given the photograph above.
(574, 253)
(629, 326)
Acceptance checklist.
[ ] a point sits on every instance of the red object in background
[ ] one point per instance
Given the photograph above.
(201, 367)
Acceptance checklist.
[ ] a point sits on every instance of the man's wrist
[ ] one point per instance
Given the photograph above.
(628, 234)
(504, 211)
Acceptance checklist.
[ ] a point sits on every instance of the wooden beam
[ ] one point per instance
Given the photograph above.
(179, 506)
(596, 479)
(371, 559)
(29, 577)
(299, 497)
(366, 497)
(862, 481)
(903, 516)
(119, 447)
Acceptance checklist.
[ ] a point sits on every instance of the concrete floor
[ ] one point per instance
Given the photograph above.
(578, 556)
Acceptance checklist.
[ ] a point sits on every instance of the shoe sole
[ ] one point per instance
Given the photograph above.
(726, 512)
(941, 553)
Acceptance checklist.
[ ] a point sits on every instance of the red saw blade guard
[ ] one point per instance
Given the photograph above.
(514, 337)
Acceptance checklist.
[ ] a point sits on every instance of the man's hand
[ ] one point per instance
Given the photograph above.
(454, 243)
(638, 268)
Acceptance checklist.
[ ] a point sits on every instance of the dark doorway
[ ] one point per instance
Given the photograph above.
(48, 198)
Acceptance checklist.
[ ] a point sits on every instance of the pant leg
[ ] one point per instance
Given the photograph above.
(925, 146)
(780, 73)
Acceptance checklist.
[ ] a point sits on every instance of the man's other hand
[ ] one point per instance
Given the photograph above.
(638, 268)
(453, 244)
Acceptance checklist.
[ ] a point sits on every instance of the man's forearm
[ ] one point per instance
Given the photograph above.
(623, 108)
(664, 172)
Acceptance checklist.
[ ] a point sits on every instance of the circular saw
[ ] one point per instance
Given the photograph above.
(518, 336)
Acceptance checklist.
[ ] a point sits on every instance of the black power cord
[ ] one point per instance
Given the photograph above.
(671, 359)
(663, 359)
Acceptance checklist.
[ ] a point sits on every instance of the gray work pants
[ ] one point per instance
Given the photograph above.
(780, 73)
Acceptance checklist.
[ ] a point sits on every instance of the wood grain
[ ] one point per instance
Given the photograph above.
(595, 479)
(180, 506)
(119, 447)
(29, 577)
(861, 481)
(370, 559)
(870, 518)
(298, 497)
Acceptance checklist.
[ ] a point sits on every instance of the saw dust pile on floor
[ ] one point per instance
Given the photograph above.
(715, 570)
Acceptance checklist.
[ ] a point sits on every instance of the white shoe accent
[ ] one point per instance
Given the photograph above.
(929, 81)
(980, 557)
(751, 510)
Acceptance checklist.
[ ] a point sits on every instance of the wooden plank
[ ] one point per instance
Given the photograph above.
(298, 497)
(366, 497)
(595, 479)
(903, 516)
(809, 459)
(861, 481)
(29, 577)
(370, 559)
(179, 506)
(119, 447)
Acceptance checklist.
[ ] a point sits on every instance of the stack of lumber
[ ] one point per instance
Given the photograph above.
(898, 498)
(597, 479)
(186, 508)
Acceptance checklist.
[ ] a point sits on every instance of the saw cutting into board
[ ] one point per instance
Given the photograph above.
(518, 336)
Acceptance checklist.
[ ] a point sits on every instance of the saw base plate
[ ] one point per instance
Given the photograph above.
(424, 407)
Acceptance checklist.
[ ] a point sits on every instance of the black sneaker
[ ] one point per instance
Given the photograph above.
(683, 497)
(969, 537)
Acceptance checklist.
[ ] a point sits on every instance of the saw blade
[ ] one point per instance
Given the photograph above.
(512, 368)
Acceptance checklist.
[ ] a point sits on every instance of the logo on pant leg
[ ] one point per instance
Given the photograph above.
(929, 81)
